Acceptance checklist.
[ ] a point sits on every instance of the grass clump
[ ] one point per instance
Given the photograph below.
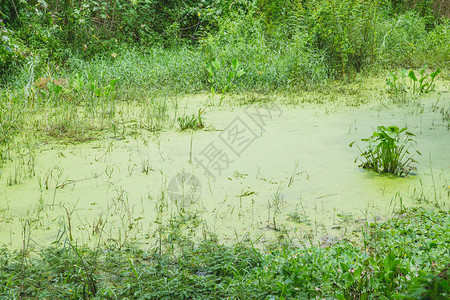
(193, 122)
(388, 151)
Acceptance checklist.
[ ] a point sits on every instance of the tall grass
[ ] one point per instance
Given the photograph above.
(269, 64)
(404, 41)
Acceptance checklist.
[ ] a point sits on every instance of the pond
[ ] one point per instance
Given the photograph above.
(262, 172)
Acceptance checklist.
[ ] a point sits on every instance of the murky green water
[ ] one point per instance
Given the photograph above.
(278, 171)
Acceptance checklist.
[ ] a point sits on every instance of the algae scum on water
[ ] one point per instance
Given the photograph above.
(264, 172)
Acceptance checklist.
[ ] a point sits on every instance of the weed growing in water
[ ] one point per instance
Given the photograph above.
(194, 122)
(388, 151)
(397, 83)
(445, 116)
(299, 218)
(212, 67)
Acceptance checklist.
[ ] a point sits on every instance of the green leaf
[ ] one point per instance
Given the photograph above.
(235, 64)
(230, 76)
(423, 70)
(209, 69)
(344, 267)
(215, 63)
(113, 82)
(348, 277)
(357, 273)
(394, 77)
(435, 73)
(412, 75)
(394, 129)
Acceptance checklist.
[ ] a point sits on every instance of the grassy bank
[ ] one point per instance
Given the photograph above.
(406, 258)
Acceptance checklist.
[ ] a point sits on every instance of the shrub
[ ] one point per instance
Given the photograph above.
(398, 39)
(90, 27)
(269, 63)
(12, 52)
(345, 30)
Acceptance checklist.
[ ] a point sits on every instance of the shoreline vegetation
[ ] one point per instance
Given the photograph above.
(73, 71)
(405, 257)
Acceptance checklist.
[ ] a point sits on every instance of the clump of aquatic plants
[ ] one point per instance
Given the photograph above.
(398, 82)
(213, 67)
(388, 151)
(192, 122)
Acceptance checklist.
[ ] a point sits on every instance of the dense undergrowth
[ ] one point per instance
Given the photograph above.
(406, 257)
(281, 44)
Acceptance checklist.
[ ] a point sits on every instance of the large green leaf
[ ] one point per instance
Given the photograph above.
(412, 75)
(435, 73)
(215, 63)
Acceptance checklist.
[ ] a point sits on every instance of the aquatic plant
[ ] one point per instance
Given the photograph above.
(193, 122)
(388, 151)
(397, 83)
(213, 67)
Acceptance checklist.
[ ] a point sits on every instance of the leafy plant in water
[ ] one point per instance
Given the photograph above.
(420, 85)
(388, 151)
(99, 91)
(396, 82)
(193, 122)
(213, 67)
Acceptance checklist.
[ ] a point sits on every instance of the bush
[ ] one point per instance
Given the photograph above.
(434, 49)
(269, 64)
(431, 10)
(91, 27)
(345, 30)
(12, 52)
(404, 41)
(398, 39)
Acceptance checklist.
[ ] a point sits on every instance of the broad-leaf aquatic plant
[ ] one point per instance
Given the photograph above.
(397, 82)
(213, 67)
(388, 151)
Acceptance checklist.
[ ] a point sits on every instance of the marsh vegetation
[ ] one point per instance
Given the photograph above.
(203, 152)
